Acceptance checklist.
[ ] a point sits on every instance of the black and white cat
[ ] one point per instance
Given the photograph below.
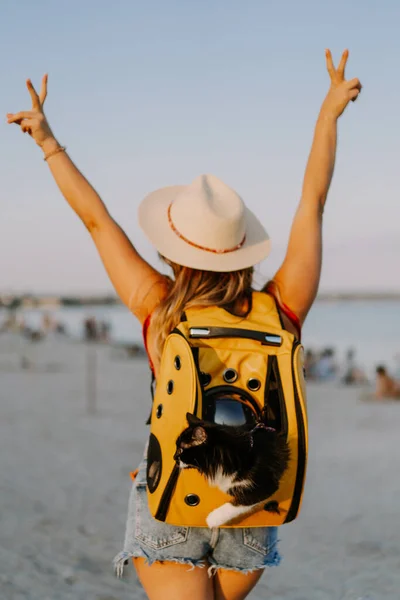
(245, 462)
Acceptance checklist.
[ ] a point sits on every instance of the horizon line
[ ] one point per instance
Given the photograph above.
(113, 297)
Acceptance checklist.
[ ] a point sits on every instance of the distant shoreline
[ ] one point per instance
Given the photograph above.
(364, 296)
(53, 301)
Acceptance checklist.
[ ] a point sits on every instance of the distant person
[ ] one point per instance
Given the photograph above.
(11, 322)
(104, 331)
(353, 374)
(91, 329)
(326, 367)
(310, 361)
(60, 328)
(47, 323)
(211, 241)
(386, 386)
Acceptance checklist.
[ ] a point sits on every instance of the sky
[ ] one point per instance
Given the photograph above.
(153, 93)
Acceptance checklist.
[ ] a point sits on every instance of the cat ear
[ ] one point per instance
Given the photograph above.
(199, 436)
(192, 419)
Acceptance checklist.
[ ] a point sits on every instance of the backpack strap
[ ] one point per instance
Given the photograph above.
(265, 308)
(153, 377)
(273, 289)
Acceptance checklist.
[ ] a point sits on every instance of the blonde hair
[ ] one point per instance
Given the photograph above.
(191, 287)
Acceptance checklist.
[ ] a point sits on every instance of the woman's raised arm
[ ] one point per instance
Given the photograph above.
(130, 274)
(298, 277)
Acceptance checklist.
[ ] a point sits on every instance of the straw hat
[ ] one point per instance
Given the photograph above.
(204, 225)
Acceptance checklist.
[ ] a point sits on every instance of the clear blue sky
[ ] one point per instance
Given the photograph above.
(152, 93)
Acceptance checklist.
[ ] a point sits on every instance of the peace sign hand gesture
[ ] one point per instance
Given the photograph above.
(341, 91)
(34, 121)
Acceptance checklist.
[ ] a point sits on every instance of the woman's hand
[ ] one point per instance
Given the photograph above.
(34, 121)
(341, 91)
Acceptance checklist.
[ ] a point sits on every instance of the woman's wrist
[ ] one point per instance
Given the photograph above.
(327, 115)
(49, 145)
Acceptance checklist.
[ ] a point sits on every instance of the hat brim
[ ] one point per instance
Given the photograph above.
(153, 219)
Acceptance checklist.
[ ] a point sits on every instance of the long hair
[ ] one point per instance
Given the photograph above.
(192, 287)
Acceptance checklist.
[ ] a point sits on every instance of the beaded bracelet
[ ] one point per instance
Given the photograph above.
(56, 151)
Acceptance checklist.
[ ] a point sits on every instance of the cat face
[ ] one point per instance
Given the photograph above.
(190, 444)
(208, 447)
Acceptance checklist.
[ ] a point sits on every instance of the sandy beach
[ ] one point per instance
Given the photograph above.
(64, 483)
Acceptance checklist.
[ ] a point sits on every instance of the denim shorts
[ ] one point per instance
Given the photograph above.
(238, 549)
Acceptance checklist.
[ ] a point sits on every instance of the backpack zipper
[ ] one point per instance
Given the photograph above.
(301, 449)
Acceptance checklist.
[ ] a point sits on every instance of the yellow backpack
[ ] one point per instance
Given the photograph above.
(214, 362)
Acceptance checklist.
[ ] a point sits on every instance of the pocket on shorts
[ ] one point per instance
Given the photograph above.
(152, 533)
(260, 539)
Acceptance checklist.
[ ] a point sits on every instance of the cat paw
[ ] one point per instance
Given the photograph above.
(220, 515)
(214, 519)
(225, 513)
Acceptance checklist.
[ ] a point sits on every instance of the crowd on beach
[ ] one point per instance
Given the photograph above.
(93, 330)
(320, 365)
(15, 322)
(324, 366)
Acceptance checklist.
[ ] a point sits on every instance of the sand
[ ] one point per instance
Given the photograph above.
(64, 483)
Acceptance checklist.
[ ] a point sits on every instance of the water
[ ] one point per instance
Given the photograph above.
(371, 328)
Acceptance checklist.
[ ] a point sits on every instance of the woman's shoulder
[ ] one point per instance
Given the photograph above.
(145, 298)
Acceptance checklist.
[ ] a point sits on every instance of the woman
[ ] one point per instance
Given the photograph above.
(386, 386)
(219, 274)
